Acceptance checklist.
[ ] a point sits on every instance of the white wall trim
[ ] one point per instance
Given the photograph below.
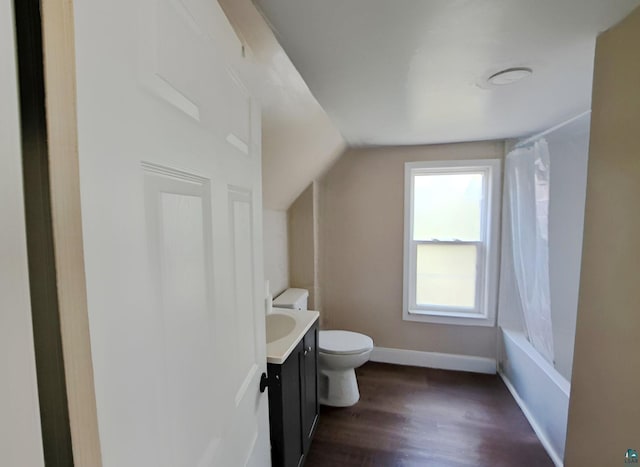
(484, 313)
(533, 422)
(442, 361)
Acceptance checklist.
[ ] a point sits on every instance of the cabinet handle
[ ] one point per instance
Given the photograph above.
(307, 350)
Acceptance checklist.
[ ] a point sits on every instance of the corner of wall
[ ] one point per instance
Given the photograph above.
(276, 250)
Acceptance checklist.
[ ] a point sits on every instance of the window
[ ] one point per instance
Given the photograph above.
(451, 241)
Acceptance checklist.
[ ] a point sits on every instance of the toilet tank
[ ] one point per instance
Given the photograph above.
(295, 299)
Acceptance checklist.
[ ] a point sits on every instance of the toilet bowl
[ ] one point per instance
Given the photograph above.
(339, 354)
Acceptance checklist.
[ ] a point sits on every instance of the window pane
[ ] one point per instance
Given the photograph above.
(447, 206)
(446, 275)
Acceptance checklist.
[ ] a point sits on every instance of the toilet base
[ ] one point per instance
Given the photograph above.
(338, 388)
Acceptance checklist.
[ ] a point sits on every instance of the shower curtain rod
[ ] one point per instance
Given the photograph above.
(533, 138)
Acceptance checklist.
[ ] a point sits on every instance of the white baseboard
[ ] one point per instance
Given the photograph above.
(533, 422)
(442, 361)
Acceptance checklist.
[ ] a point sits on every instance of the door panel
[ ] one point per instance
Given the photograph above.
(238, 123)
(171, 219)
(179, 46)
(240, 222)
(179, 233)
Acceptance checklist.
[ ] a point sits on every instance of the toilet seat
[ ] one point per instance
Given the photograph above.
(344, 342)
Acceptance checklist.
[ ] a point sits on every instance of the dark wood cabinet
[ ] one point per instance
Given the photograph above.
(309, 404)
(293, 402)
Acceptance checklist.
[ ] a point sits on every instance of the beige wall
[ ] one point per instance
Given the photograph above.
(303, 238)
(604, 411)
(276, 250)
(361, 250)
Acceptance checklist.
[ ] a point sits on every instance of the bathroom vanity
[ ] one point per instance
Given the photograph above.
(292, 366)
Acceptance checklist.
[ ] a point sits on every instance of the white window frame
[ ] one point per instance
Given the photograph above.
(484, 313)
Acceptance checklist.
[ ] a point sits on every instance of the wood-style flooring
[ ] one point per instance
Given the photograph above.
(410, 416)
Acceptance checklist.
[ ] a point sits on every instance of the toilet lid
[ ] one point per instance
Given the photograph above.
(344, 342)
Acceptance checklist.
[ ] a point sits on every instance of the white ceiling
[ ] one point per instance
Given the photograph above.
(411, 71)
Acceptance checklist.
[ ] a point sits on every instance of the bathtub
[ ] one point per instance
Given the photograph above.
(540, 391)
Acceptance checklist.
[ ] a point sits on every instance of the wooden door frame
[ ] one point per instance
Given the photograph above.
(46, 75)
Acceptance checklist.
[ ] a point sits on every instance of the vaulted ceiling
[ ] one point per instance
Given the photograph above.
(299, 141)
(414, 71)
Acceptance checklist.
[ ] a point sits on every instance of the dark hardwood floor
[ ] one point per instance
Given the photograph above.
(410, 416)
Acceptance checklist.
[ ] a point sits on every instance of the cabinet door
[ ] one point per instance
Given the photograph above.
(284, 410)
(309, 376)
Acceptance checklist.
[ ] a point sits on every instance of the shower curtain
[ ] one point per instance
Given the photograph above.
(527, 192)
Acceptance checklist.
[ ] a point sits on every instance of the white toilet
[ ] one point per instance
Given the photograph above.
(339, 354)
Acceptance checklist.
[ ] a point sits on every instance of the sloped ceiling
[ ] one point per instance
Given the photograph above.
(299, 142)
(413, 71)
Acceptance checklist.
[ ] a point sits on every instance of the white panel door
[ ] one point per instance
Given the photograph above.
(20, 438)
(169, 145)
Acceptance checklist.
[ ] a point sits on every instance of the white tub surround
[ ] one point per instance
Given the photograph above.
(568, 151)
(280, 347)
(539, 389)
(540, 384)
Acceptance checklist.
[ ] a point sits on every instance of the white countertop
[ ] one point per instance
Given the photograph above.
(279, 350)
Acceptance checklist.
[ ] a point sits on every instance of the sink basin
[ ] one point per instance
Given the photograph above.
(278, 326)
(285, 329)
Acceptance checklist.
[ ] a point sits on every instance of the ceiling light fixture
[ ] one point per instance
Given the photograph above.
(509, 76)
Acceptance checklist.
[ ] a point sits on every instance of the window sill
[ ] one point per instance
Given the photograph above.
(460, 319)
